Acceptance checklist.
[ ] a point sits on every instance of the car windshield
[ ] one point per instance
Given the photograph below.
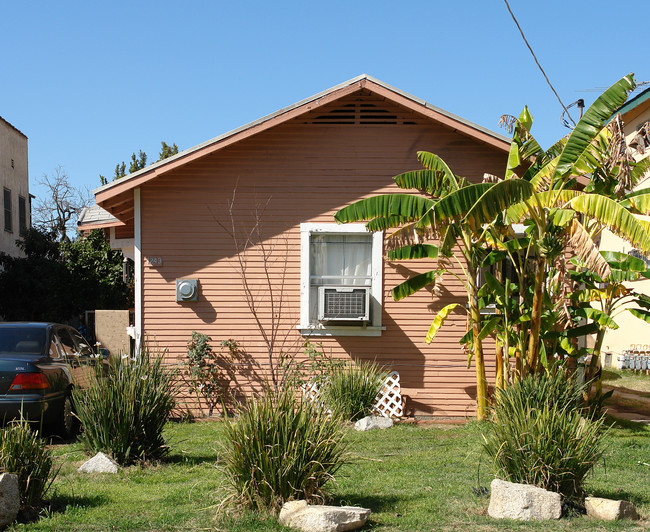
(21, 341)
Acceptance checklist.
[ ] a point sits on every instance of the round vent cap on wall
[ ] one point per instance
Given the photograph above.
(187, 289)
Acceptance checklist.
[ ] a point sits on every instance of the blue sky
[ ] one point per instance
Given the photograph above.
(89, 83)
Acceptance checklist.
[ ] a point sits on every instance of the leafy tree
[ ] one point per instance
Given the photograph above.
(58, 281)
(167, 151)
(98, 271)
(36, 287)
(139, 161)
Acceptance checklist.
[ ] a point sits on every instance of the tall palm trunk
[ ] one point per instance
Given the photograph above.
(477, 347)
(532, 359)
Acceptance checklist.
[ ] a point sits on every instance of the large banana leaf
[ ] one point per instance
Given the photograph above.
(638, 202)
(598, 316)
(591, 123)
(490, 327)
(641, 314)
(412, 285)
(623, 261)
(587, 250)
(389, 222)
(454, 206)
(405, 205)
(439, 321)
(433, 182)
(497, 199)
(542, 178)
(551, 198)
(431, 161)
(418, 251)
(609, 213)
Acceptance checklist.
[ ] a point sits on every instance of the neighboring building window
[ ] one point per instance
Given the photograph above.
(7, 205)
(341, 275)
(22, 214)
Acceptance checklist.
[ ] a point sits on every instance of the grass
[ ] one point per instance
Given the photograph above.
(411, 477)
(627, 378)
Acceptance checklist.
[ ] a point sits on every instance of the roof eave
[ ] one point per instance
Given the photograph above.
(152, 171)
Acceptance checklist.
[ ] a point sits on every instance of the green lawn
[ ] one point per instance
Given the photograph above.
(411, 477)
(627, 378)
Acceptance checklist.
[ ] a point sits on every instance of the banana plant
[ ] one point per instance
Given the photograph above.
(562, 209)
(602, 299)
(540, 188)
(431, 214)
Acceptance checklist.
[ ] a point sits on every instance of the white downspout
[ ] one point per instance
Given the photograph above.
(137, 259)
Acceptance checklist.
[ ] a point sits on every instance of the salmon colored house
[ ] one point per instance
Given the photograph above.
(187, 219)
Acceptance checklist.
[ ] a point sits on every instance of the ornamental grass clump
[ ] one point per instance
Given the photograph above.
(24, 453)
(125, 407)
(350, 391)
(280, 448)
(538, 435)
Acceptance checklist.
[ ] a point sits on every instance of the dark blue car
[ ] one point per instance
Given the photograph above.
(40, 363)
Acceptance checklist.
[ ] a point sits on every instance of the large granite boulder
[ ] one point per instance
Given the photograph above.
(9, 498)
(319, 518)
(609, 509)
(509, 500)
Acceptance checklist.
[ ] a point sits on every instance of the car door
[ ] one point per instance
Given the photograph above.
(77, 356)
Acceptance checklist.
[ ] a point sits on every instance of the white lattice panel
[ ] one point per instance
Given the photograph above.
(388, 402)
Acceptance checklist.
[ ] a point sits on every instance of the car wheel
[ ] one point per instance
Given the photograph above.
(69, 423)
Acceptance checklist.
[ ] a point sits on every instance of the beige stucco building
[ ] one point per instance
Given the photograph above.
(14, 179)
(632, 332)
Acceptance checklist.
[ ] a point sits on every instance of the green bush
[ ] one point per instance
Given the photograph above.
(281, 448)
(123, 410)
(350, 391)
(24, 453)
(538, 435)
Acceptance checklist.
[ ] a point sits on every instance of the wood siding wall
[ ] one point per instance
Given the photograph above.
(302, 171)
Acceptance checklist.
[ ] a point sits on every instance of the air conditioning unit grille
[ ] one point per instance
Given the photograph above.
(344, 304)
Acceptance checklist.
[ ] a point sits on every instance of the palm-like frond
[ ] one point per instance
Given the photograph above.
(412, 285)
(549, 199)
(586, 249)
(381, 223)
(433, 162)
(407, 206)
(591, 123)
(418, 251)
(496, 199)
(433, 182)
(438, 321)
(615, 217)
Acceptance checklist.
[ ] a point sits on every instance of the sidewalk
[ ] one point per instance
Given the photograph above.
(626, 404)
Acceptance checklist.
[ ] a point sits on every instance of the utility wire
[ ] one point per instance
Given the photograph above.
(536, 61)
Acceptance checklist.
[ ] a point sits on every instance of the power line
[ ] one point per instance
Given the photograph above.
(536, 61)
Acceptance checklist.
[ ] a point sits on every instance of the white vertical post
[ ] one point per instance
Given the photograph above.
(137, 259)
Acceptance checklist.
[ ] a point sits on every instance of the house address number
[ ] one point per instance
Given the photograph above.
(153, 261)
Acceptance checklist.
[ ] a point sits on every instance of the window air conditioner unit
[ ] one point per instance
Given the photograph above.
(338, 303)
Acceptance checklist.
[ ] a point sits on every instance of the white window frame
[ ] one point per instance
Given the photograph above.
(373, 328)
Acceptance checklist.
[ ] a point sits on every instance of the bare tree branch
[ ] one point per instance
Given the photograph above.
(57, 212)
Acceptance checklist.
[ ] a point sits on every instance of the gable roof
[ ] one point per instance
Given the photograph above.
(116, 196)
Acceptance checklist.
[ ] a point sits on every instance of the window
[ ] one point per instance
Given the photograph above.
(22, 214)
(7, 205)
(341, 276)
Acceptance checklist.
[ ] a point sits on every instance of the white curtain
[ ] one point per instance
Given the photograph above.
(338, 259)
